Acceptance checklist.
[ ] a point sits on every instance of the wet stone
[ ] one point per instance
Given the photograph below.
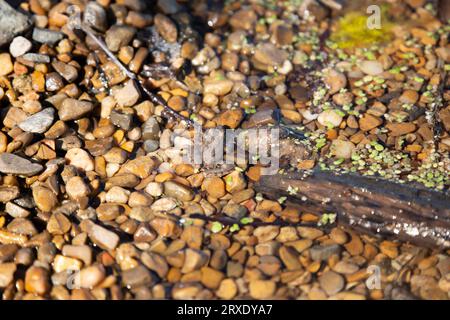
(19, 46)
(322, 253)
(8, 193)
(136, 277)
(12, 23)
(12, 164)
(166, 28)
(47, 36)
(119, 36)
(99, 147)
(122, 120)
(331, 282)
(38, 122)
(72, 109)
(95, 16)
(68, 72)
(36, 57)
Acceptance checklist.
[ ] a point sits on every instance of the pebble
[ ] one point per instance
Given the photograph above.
(128, 95)
(95, 16)
(122, 120)
(266, 233)
(231, 118)
(90, 277)
(150, 129)
(58, 224)
(235, 182)
(22, 226)
(8, 193)
(217, 87)
(369, 122)
(7, 271)
(323, 252)
(73, 109)
(269, 54)
(194, 260)
(65, 70)
(178, 191)
(154, 189)
(342, 148)
(12, 164)
(12, 23)
(62, 263)
(36, 280)
(19, 46)
(214, 186)
(235, 211)
(211, 278)
(16, 211)
(109, 211)
(47, 36)
(36, 57)
(166, 28)
(243, 19)
(227, 289)
(80, 252)
(331, 282)
(400, 129)
(372, 68)
(76, 188)
(142, 213)
(329, 118)
(101, 236)
(335, 80)
(6, 65)
(38, 122)
(80, 159)
(119, 36)
(137, 277)
(99, 147)
(261, 289)
(345, 267)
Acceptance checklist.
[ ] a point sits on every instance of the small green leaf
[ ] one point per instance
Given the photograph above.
(234, 228)
(246, 220)
(216, 227)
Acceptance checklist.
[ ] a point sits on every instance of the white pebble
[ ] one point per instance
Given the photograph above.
(329, 118)
(19, 46)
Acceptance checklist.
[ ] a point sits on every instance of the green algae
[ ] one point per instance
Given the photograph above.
(352, 31)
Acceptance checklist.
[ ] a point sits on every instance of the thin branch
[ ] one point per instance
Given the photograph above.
(76, 23)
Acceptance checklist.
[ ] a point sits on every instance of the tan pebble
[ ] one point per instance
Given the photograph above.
(194, 260)
(76, 188)
(399, 129)
(262, 289)
(214, 186)
(227, 289)
(44, 198)
(389, 249)
(211, 278)
(36, 280)
(368, 122)
(58, 224)
(6, 65)
(355, 247)
(62, 263)
(80, 159)
(331, 282)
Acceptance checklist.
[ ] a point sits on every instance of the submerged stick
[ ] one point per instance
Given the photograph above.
(367, 204)
(76, 23)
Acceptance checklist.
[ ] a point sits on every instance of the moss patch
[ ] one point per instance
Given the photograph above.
(351, 31)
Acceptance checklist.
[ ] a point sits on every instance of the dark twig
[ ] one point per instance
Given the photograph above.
(155, 98)
(230, 221)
